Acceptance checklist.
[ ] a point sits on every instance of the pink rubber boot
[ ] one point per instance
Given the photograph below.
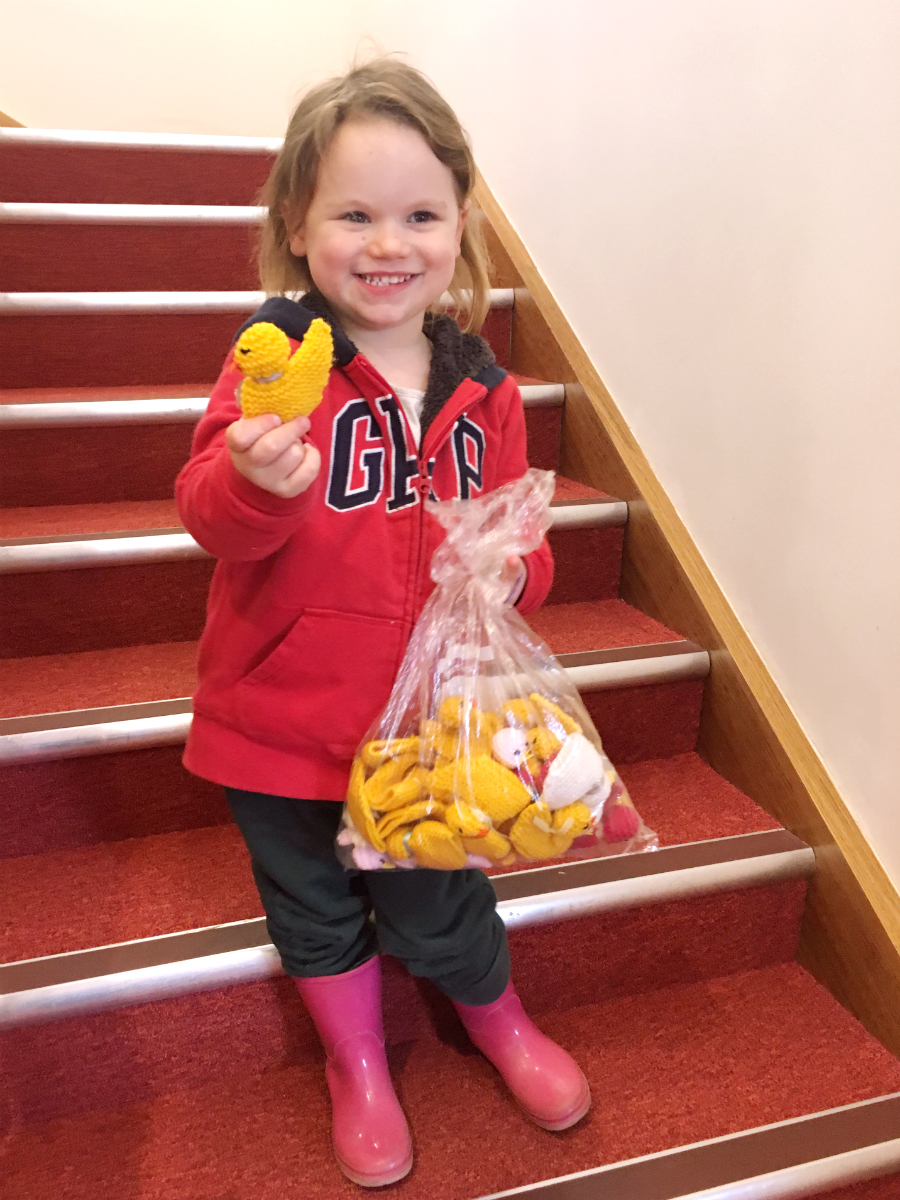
(544, 1078)
(368, 1129)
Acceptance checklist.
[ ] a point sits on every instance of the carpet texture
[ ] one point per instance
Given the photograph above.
(667, 1068)
(128, 258)
(109, 175)
(67, 612)
(99, 875)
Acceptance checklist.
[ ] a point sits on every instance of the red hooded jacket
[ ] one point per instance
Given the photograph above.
(314, 598)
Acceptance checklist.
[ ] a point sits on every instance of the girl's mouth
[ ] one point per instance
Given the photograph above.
(385, 281)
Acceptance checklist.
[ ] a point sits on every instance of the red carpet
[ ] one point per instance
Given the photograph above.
(586, 564)
(163, 348)
(75, 802)
(151, 1049)
(67, 612)
(58, 519)
(105, 175)
(42, 467)
(654, 720)
(573, 628)
(124, 675)
(128, 258)
(667, 1068)
(109, 516)
(126, 862)
(79, 678)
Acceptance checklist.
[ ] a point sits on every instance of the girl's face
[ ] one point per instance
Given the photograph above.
(382, 233)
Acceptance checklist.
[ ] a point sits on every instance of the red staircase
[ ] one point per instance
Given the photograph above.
(149, 1046)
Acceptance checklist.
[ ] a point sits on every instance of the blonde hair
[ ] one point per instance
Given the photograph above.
(384, 87)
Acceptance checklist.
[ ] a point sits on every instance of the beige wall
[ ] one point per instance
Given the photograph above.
(712, 190)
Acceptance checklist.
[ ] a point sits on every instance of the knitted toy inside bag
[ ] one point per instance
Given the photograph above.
(484, 755)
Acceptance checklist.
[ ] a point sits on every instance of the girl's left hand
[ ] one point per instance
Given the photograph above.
(515, 575)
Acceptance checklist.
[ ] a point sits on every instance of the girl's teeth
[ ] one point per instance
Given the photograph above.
(385, 280)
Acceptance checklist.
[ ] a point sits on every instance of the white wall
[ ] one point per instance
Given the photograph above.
(712, 190)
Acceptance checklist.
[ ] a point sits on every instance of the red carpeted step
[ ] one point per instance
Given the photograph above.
(74, 886)
(74, 802)
(77, 802)
(102, 465)
(107, 675)
(64, 611)
(42, 174)
(106, 350)
(544, 430)
(69, 520)
(60, 257)
(668, 1068)
(97, 678)
(111, 350)
(123, 515)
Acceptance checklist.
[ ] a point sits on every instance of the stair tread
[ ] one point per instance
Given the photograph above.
(150, 391)
(166, 670)
(597, 625)
(668, 1068)
(97, 678)
(143, 887)
(132, 515)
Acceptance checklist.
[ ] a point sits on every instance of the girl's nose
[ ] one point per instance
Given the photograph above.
(388, 242)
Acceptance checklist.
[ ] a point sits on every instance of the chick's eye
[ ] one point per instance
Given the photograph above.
(422, 216)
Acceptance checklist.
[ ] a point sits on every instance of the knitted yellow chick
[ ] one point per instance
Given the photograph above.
(289, 385)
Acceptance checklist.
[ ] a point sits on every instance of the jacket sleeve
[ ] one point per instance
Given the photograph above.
(229, 516)
(513, 463)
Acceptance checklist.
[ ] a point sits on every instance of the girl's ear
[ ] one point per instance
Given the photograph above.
(297, 243)
(463, 216)
(297, 238)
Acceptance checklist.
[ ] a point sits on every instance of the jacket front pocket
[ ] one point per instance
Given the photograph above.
(324, 683)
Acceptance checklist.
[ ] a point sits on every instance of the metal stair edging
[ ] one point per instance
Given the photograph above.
(525, 899)
(89, 414)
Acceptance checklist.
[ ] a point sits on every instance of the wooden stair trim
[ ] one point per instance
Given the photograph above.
(749, 734)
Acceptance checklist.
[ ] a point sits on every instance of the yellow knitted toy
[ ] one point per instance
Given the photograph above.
(277, 381)
(466, 786)
(539, 833)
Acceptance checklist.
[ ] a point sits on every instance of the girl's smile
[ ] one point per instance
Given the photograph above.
(382, 233)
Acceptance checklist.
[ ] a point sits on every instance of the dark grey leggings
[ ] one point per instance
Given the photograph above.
(442, 925)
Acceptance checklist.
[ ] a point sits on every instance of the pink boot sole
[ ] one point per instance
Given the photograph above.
(580, 1110)
(374, 1181)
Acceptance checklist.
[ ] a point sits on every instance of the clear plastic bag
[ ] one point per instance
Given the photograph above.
(484, 755)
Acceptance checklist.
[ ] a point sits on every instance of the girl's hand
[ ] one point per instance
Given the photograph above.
(515, 575)
(271, 454)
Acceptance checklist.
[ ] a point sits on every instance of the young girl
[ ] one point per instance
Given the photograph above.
(324, 547)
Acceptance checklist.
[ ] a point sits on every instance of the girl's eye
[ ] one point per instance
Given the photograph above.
(421, 216)
(356, 217)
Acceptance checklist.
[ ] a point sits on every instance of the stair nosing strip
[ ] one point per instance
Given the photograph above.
(80, 414)
(83, 553)
(67, 551)
(14, 212)
(114, 140)
(45, 737)
(220, 955)
(31, 304)
(788, 1151)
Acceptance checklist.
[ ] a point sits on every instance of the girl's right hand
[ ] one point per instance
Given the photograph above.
(271, 454)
